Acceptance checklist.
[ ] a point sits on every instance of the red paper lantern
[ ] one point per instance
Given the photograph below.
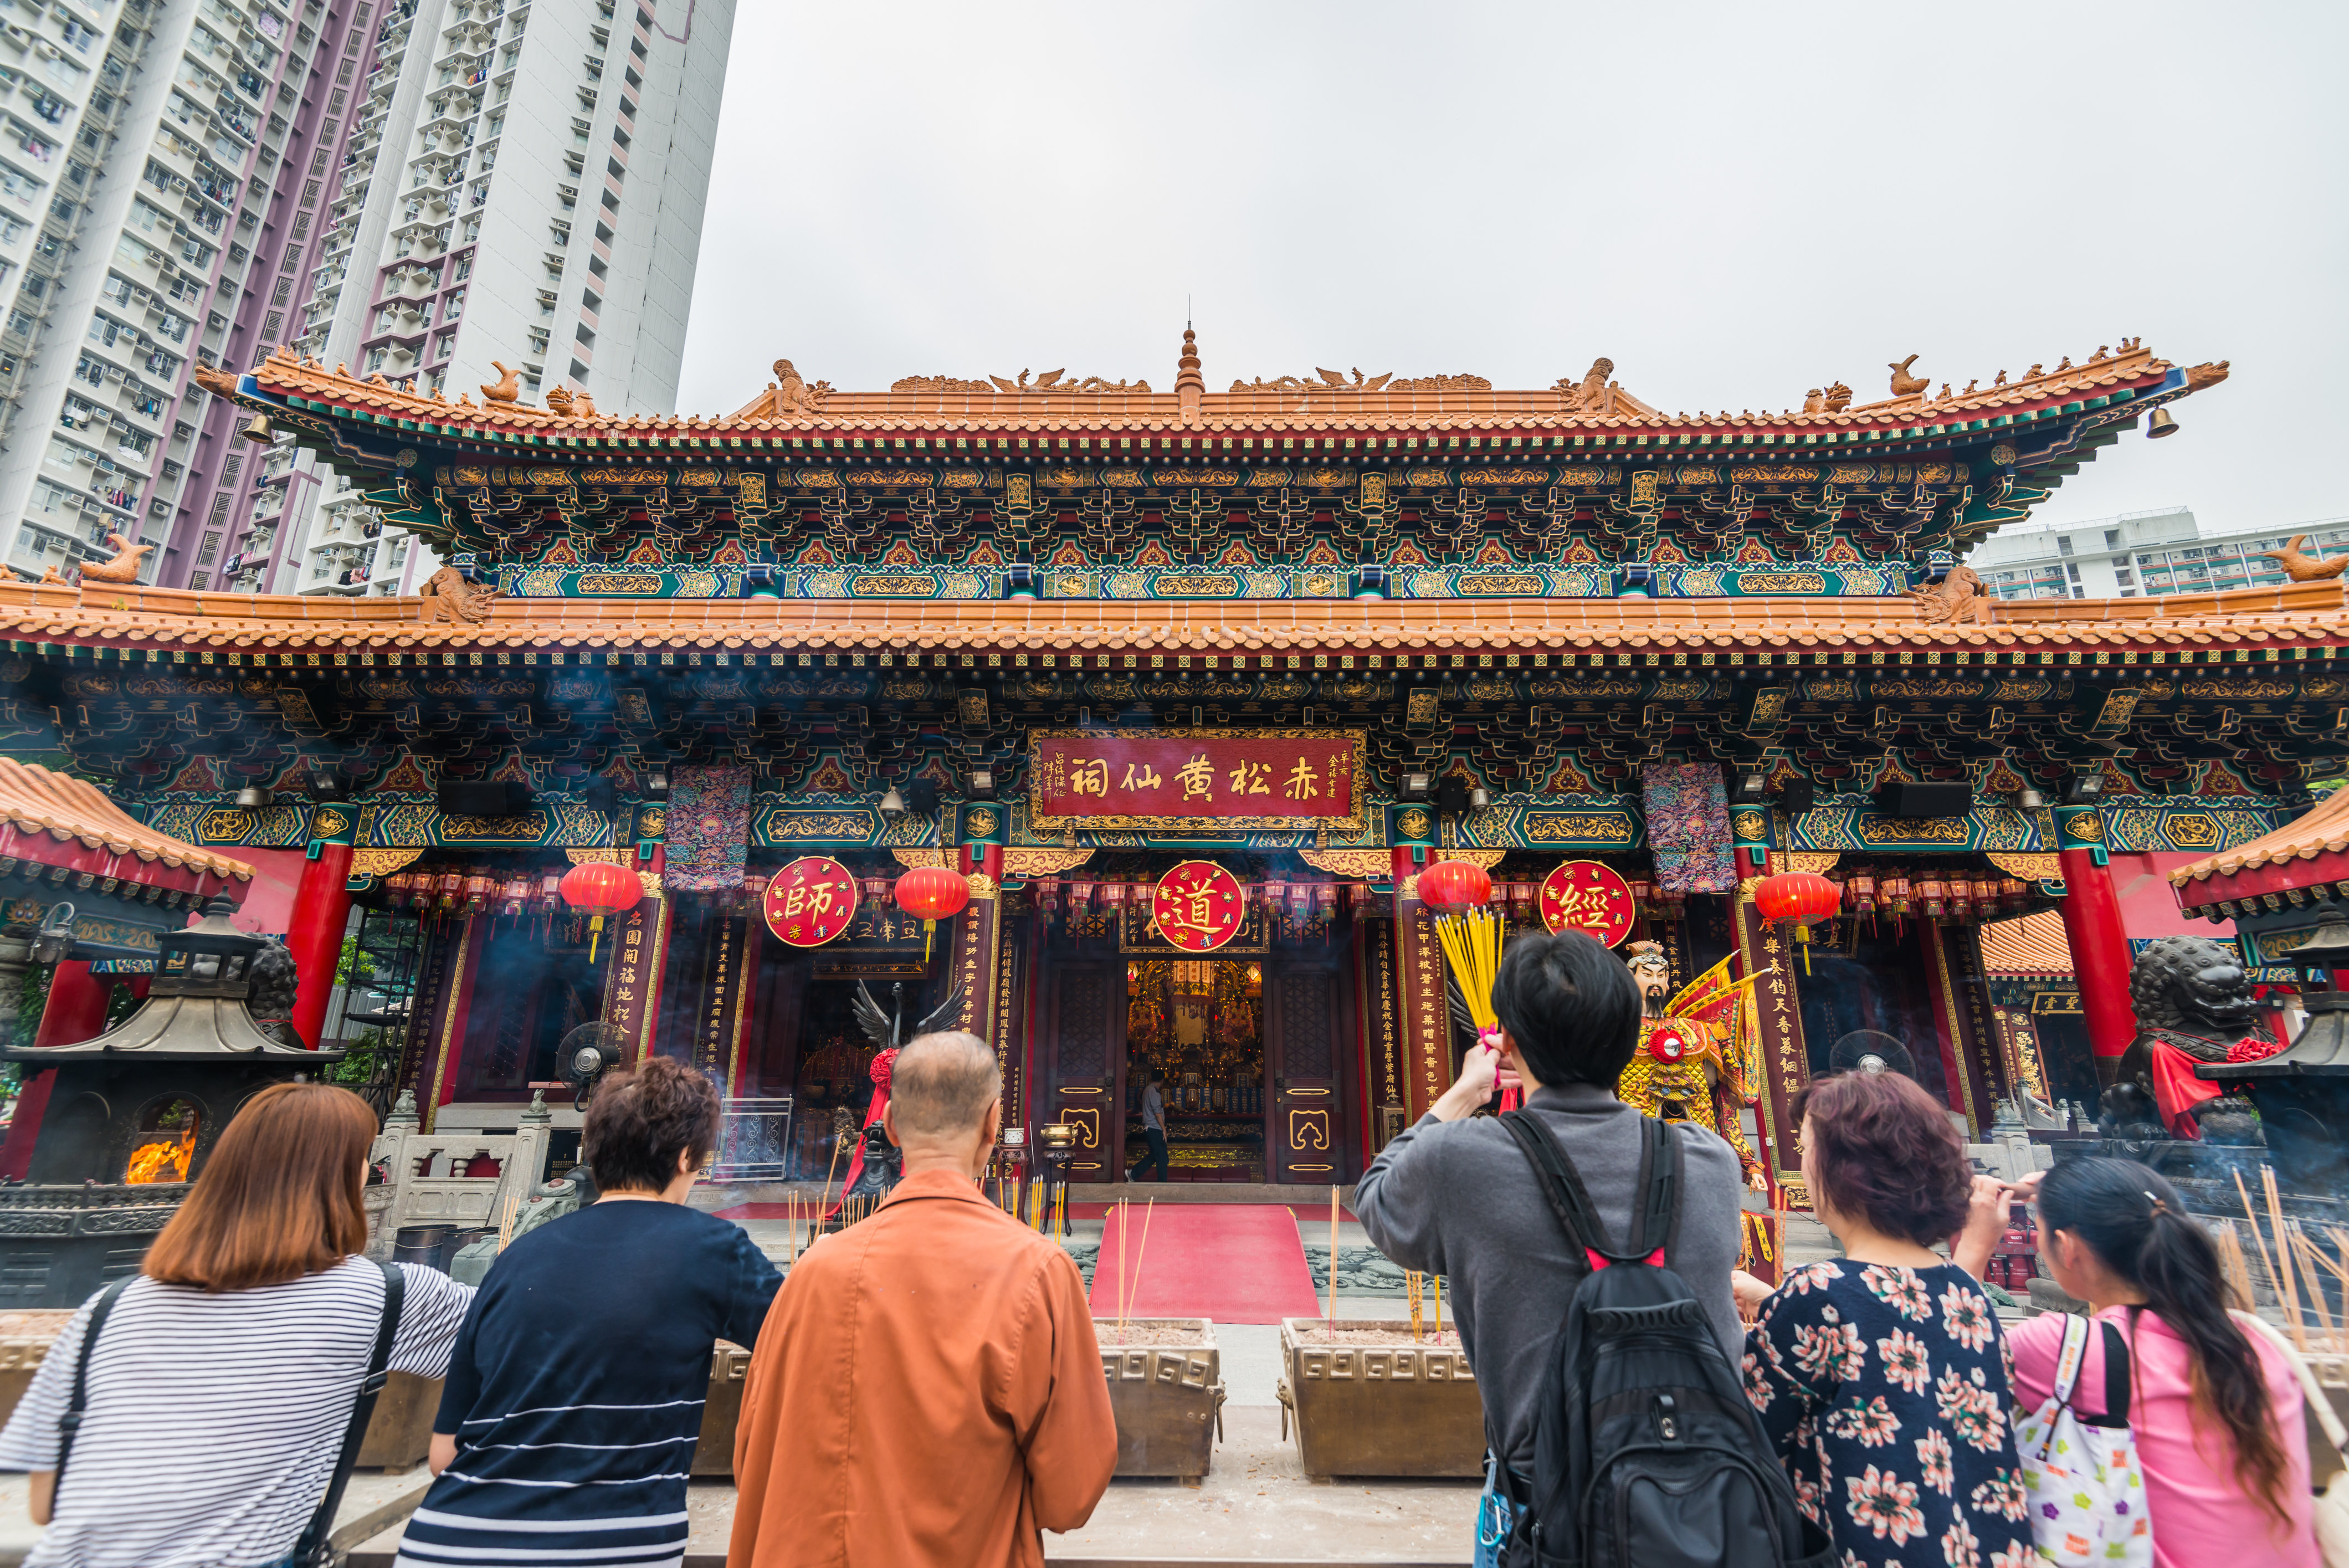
(1801, 897)
(931, 892)
(597, 889)
(934, 894)
(1448, 887)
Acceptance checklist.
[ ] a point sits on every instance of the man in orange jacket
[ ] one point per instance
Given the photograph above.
(927, 1390)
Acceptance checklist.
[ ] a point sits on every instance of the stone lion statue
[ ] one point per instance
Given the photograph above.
(269, 995)
(2191, 995)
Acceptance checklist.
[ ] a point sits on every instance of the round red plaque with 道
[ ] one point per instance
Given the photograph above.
(1590, 898)
(1198, 906)
(809, 901)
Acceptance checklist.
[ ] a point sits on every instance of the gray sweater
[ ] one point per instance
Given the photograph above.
(1460, 1199)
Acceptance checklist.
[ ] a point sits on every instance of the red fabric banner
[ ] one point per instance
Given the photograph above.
(1268, 778)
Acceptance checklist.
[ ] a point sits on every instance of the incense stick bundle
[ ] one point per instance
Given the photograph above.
(1439, 1309)
(1413, 1280)
(1472, 946)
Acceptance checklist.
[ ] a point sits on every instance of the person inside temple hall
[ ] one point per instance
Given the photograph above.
(927, 1390)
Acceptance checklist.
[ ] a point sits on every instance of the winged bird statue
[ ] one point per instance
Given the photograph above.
(887, 1029)
(877, 1165)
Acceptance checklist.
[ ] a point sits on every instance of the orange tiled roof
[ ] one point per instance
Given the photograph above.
(35, 799)
(777, 411)
(2033, 944)
(2324, 827)
(2299, 614)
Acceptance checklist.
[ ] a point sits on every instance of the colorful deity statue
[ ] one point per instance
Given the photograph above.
(1697, 1060)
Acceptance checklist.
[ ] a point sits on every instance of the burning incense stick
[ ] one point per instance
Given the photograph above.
(1139, 1252)
(2258, 1236)
(1439, 1309)
(2283, 1258)
(2232, 1268)
(1331, 1312)
(825, 1207)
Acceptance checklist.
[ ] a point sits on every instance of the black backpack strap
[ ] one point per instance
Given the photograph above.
(313, 1546)
(2116, 1375)
(1569, 1199)
(77, 1401)
(1660, 1182)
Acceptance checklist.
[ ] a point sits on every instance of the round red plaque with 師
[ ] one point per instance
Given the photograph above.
(1198, 906)
(809, 901)
(1590, 898)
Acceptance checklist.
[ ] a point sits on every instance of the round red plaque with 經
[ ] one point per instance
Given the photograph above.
(809, 901)
(1198, 906)
(1592, 898)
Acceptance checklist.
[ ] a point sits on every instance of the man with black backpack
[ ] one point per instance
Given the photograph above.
(1588, 1252)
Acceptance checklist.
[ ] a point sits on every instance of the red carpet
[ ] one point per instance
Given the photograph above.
(1234, 1262)
(1306, 1212)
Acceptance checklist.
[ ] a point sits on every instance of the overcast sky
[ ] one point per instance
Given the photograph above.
(1733, 202)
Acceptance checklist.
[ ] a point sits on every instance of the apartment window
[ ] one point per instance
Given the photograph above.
(209, 551)
(2074, 569)
(2123, 576)
(199, 581)
(2112, 538)
(2079, 593)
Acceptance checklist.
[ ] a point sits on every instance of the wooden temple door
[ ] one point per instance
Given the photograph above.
(1303, 1017)
(1088, 1035)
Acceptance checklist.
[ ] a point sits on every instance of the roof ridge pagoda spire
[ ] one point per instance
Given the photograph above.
(1190, 386)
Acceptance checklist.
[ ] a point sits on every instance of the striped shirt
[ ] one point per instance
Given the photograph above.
(577, 1388)
(214, 1421)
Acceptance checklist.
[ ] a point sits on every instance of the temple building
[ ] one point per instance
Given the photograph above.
(1183, 691)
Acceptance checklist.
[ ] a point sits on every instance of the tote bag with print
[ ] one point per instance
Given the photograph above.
(2085, 1486)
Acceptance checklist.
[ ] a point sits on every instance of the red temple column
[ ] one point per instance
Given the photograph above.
(76, 1013)
(2098, 941)
(322, 908)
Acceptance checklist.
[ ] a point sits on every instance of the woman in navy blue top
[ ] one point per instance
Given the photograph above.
(574, 1393)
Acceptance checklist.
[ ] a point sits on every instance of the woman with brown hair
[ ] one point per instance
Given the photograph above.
(575, 1397)
(223, 1379)
(1880, 1375)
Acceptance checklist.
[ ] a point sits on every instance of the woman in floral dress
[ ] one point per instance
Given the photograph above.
(1882, 1376)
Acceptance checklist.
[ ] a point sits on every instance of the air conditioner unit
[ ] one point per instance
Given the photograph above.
(1916, 800)
(504, 798)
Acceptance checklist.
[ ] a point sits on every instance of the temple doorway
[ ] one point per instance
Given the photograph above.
(1201, 1022)
(1259, 1050)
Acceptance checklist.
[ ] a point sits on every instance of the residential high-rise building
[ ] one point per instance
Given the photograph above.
(148, 163)
(520, 189)
(2140, 553)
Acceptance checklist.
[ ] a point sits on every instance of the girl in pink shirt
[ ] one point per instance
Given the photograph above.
(2215, 1409)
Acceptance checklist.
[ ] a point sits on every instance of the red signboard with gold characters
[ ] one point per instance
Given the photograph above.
(809, 901)
(1230, 778)
(1590, 898)
(1198, 906)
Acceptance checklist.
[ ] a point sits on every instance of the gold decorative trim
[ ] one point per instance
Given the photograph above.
(2031, 866)
(382, 862)
(1377, 865)
(913, 858)
(599, 856)
(1031, 861)
(1818, 860)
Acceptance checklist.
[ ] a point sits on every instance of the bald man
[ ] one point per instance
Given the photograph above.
(926, 1391)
